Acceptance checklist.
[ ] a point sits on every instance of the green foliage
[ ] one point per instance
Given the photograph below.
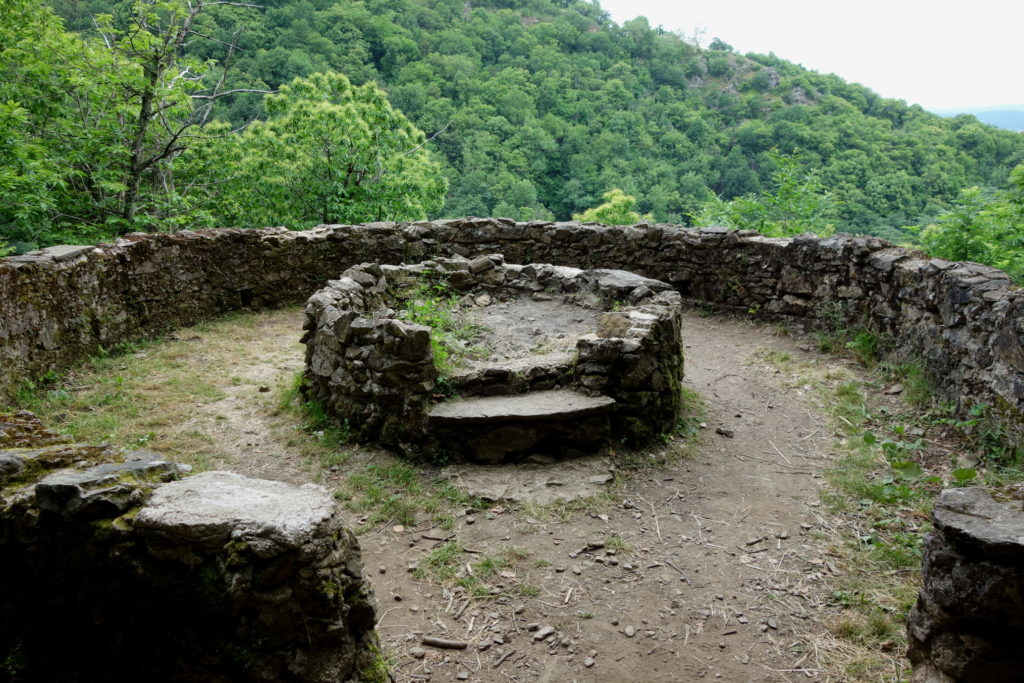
(329, 152)
(798, 202)
(537, 107)
(864, 346)
(450, 338)
(616, 210)
(984, 227)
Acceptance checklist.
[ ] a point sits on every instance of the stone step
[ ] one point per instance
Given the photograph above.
(556, 404)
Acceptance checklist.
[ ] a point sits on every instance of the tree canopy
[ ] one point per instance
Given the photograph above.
(153, 116)
(327, 153)
(617, 209)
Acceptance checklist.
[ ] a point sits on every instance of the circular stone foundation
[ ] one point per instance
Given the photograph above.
(456, 359)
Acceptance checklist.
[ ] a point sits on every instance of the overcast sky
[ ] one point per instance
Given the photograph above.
(935, 53)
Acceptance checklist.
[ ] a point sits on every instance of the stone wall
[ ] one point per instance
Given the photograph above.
(114, 569)
(964, 321)
(968, 623)
(374, 369)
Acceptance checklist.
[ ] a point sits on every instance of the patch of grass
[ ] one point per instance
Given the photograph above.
(883, 495)
(615, 542)
(917, 389)
(442, 564)
(848, 405)
(864, 345)
(451, 338)
(451, 564)
(399, 492)
(153, 393)
(565, 512)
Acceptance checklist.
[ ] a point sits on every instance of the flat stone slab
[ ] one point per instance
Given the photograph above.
(557, 404)
(563, 480)
(983, 518)
(623, 281)
(103, 488)
(213, 507)
(540, 363)
(66, 252)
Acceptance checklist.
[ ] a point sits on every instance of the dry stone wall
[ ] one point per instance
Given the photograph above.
(114, 569)
(968, 623)
(375, 370)
(965, 321)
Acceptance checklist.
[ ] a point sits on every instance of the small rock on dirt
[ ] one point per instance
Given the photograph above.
(725, 431)
(630, 631)
(543, 633)
(417, 652)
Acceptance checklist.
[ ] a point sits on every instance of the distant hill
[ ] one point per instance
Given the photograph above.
(1007, 117)
(541, 106)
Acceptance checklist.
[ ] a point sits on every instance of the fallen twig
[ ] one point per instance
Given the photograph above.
(501, 659)
(444, 643)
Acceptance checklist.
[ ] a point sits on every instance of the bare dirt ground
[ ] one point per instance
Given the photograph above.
(708, 567)
(524, 326)
(707, 557)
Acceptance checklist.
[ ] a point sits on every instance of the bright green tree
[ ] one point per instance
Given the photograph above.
(329, 152)
(92, 123)
(983, 227)
(616, 210)
(797, 203)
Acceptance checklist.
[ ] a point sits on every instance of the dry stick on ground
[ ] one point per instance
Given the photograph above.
(657, 527)
(501, 660)
(444, 643)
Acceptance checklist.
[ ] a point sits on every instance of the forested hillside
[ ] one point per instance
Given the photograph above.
(536, 108)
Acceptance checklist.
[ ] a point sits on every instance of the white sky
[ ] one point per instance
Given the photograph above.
(936, 53)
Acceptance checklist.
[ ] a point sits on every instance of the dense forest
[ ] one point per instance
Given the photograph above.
(158, 115)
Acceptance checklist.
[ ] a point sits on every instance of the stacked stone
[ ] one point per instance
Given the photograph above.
(965, 321)
(215, 577)
(372, 370)
(375, 371)
(637, 359)
(968, 623)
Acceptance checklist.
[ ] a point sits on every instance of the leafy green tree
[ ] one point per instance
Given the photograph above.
(616, 210)
(93, 123)
(550, 92)
(798, 202)
(983, 227)
(329, 152)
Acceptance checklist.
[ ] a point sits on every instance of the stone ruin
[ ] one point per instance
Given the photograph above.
(75, 563)
(607, 368)
(115, 568)
(968, 623)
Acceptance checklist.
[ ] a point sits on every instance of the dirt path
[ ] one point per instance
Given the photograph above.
(711, 567)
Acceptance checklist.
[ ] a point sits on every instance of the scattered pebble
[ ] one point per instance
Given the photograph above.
(417, 652)
(630, 631)
(589, 662)
(544, 633)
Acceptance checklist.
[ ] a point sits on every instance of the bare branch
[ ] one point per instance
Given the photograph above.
(231, 92)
